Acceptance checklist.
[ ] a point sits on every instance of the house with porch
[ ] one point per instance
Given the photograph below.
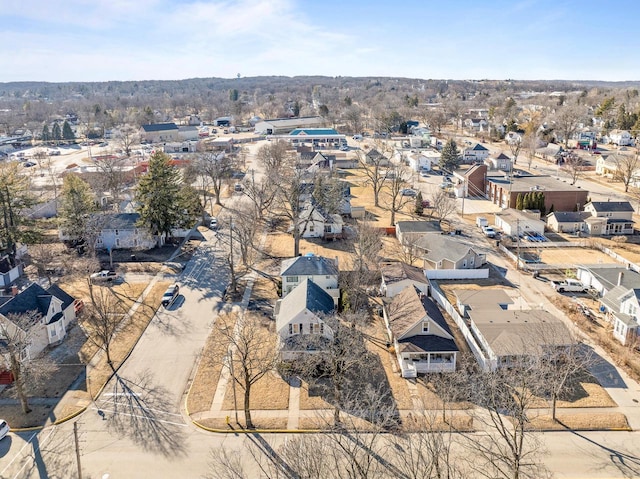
(475, 154)
(420, 335)
(609, 217)
(54, 307)
(622, 307)
(300, 321)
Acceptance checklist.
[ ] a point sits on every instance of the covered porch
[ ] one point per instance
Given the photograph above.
(412, 364)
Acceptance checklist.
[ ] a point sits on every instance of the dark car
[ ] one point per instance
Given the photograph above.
(170, 295)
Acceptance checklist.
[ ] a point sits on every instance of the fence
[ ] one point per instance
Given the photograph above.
(457, 273)
(442, 300)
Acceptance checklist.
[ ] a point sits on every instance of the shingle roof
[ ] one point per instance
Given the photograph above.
(410, 306)
(5, 265)
(568, 216)
(478, 147)
(33, 298)
(58, 292)
(439, 247)
(307, 295)
(120, 221)
(398, 271)
(611, 206)
(159, 127)
(309, 266)
(424, 343)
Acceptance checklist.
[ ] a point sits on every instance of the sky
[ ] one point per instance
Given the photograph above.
(102, 40)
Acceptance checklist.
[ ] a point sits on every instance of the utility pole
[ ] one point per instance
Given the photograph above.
(75, 437)
(517, 244)
(233, 381)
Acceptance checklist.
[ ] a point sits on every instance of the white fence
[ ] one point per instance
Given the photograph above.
(442, 300)
(457, 273)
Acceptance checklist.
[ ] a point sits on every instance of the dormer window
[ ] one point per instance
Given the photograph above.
(425, 326)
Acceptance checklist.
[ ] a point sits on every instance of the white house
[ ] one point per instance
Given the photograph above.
(314, 222)
(623, 307)
(188, 133)
(423, 160)
(567, 221)
(120, 231)
(475, 154)
(499, 162)
(421, 337)
(620, 137)
(322, 271)
(299, 319)
(609, 217)
(397, 276)
(446, 252)
(56, 309)
(8, 272)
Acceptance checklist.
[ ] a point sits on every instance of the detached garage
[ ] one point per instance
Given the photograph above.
(515, 222)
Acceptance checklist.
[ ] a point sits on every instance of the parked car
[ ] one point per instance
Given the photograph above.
(344, 148)
(104, 276)
(28, 164)
(170, 295)
(424, 174)
(4, 428)
(569, 285)
(489, 232)
(238, 187)
(213, 223)
(408, 192)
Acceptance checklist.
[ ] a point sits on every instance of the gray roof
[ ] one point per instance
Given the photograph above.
(608, 276)
(569, 216)
(187, 128)
(613, 297)
(62, 295)
(611, 206)
(626, 319)
(33, 298)
(410, 306)
(418, 226)
(309, 266)
(119, 221)
(525, 184)
(439, 247)
(398, 271)
(159, 127)
(307, 295)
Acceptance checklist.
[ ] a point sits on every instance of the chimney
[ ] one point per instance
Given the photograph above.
(620, 276)
(14, 290)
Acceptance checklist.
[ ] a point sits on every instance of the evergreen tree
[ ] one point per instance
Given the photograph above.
(233, 95)
(67, 132)
(158, 194)
(450, 157)
(46, 134)
(519, 202)
(76, 205)
(56, 134)
(419, 209)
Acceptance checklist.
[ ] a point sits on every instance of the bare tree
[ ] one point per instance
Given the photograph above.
(398, 178)
(275, 155)
(627, 169)
(367, 246)
(216, 167)
(574, 166)
(567, 120)
(127, 136)
(443, 206)
(113, 177)
(17, 331)
(252, 351)
(43, 257)
(103, 318)
(261, 192)
(435, 118)
(515, 145)
(374, 168)
(245, 233)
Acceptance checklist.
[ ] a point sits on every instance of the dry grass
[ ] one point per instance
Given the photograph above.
(398, 385)
(573, 255)
(280, 245)
(308, 402)
(581, 422)
(415, 422)
(270, 393)
(125, 341)
(205, 382)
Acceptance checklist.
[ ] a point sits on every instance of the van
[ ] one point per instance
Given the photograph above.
(481, 221)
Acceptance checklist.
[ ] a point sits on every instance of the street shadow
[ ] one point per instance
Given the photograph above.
(58, 451)
(605, 372)
(628, 464)
(143, 412)
(5, 446)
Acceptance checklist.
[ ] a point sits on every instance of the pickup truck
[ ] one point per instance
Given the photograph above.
(104, 276)
(568, 285)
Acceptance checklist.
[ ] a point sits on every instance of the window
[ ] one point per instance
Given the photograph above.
(292, 279)
(117, 232)
(117, 241)
(327, 228)
(295, 328)
(311, 227)
(425, 326)
(99, 241)
(314, 328)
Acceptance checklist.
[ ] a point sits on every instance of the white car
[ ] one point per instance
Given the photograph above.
(4, 428)
(170, 295)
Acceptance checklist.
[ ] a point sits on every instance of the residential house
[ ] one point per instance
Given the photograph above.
(607, 165)
(567, 221)
(517, 223)
(448, 252)
(160, 132)
(315, 222)
(409, 231)
(551, 153)
(396, 276)
(475, 154)
(620, 138)
(121, 231)
(55, 309)
(322, 271)
(504, 331)
(422, 160)
(499, 162)
(512, 137)
(300, 318)
(604, 277)
(609, 217)
(475, 125)
(622, 306)
(421, 337)
(373, 157)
